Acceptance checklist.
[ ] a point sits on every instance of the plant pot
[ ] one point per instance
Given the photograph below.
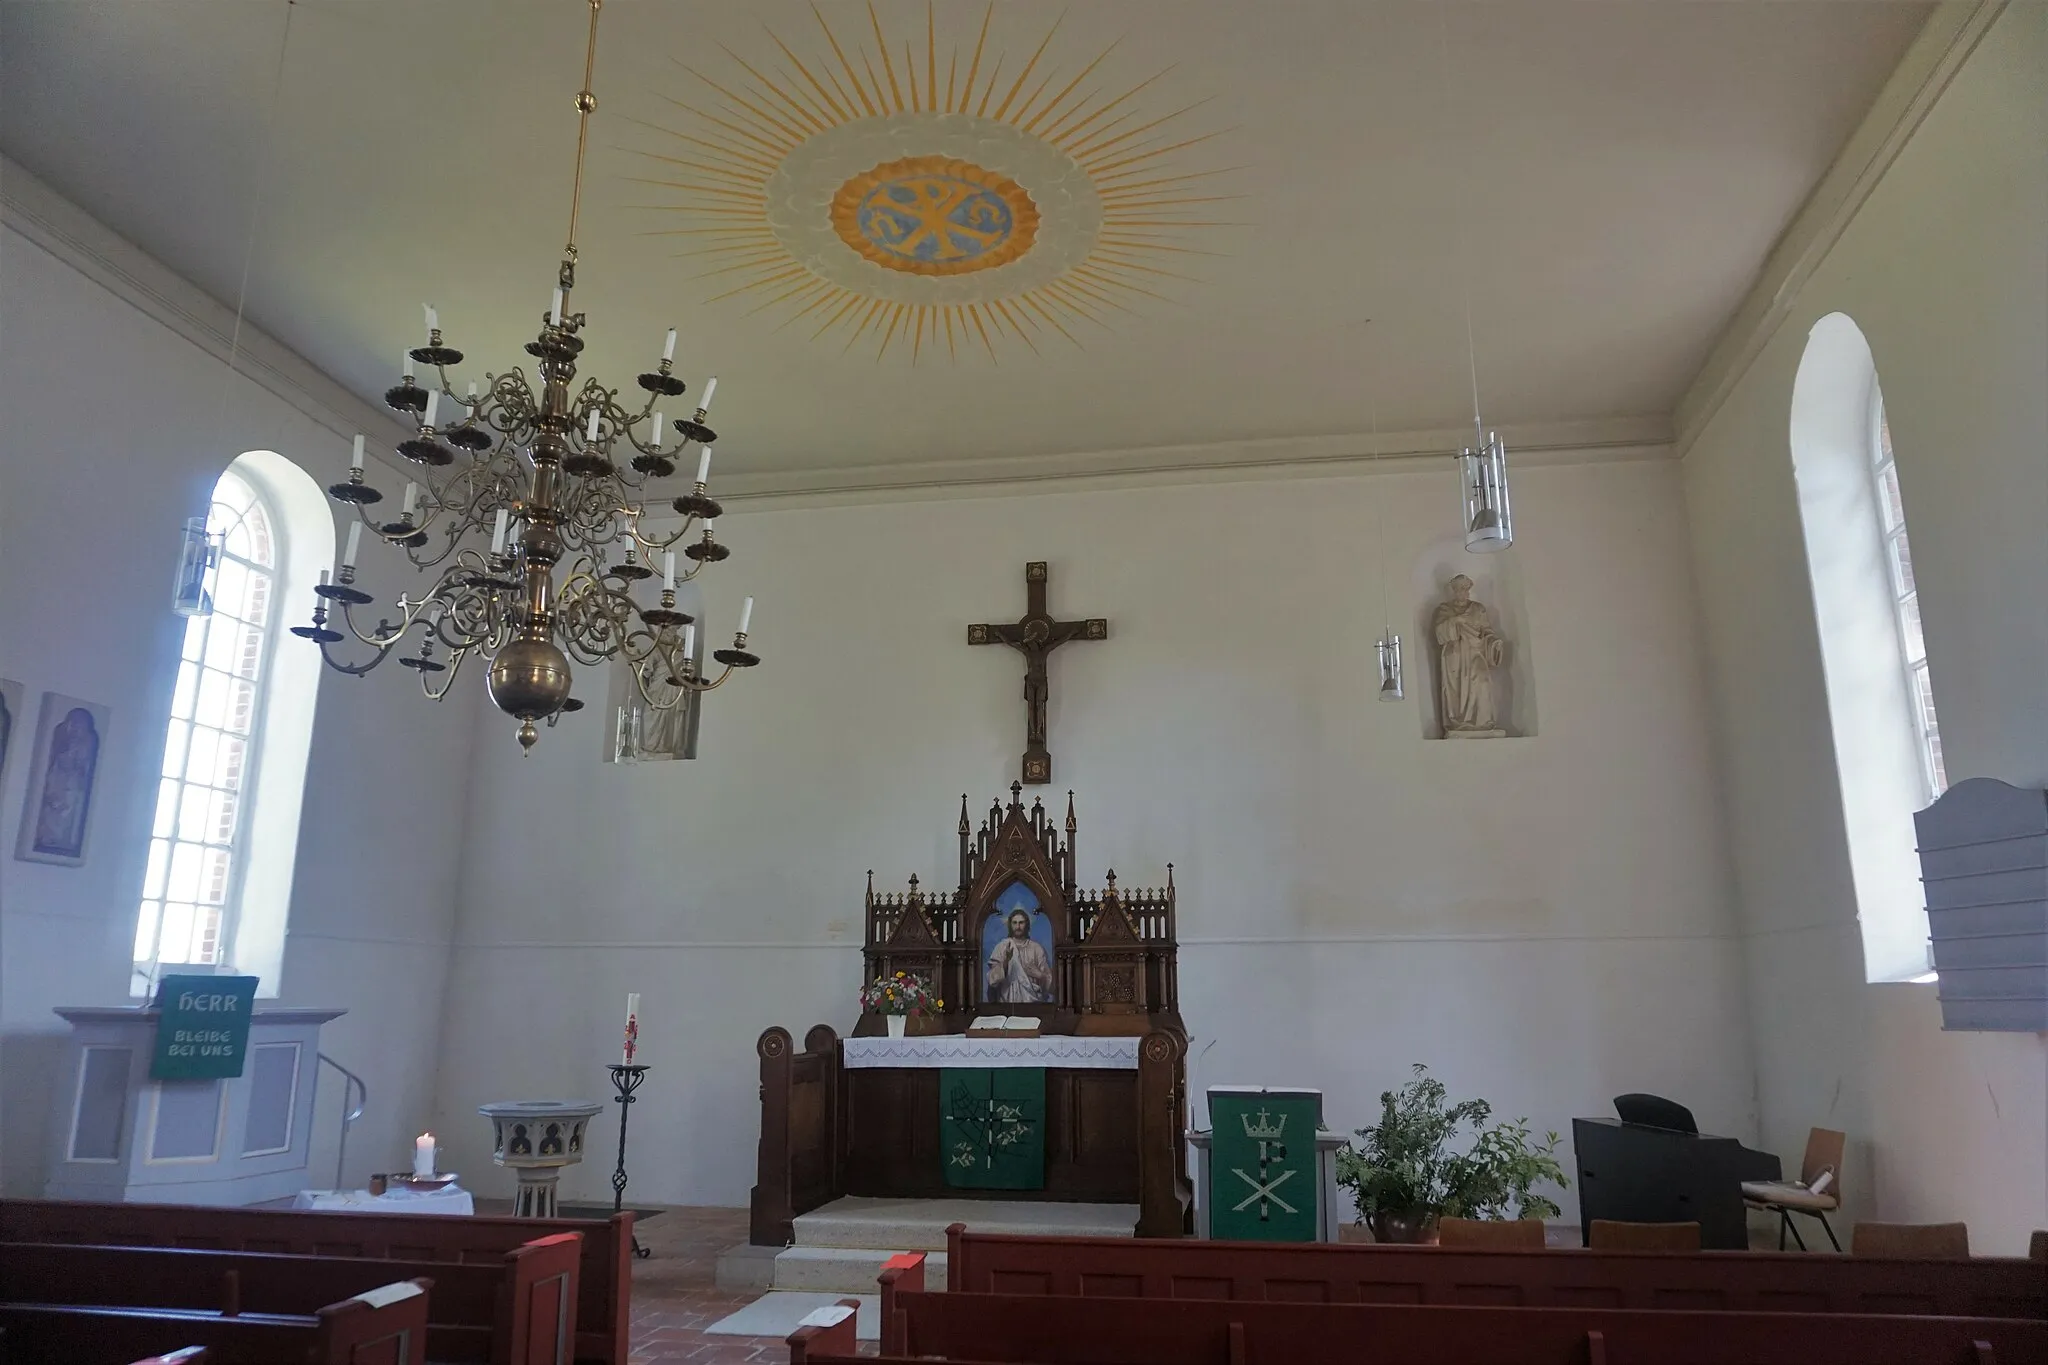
(899, 1024)
(1412, 1227)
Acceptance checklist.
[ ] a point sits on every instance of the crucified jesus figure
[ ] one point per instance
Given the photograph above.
(1034, 636)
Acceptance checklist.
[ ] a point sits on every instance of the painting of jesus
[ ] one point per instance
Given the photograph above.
(60, 793)
(1016, 945)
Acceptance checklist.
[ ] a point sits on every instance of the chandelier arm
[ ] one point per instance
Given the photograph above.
(454, 668)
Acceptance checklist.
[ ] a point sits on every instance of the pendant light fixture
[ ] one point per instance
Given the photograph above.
(1388, 646)
(1482, 466)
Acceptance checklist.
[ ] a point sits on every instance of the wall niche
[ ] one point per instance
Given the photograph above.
(1497, 587)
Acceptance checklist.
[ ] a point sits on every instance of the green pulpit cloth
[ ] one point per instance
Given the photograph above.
(1262, 1165)
(992, 1127)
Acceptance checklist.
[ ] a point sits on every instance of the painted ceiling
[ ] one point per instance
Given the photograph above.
(904, 232)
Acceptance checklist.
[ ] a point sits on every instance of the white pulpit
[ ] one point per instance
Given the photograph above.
(117, 1135)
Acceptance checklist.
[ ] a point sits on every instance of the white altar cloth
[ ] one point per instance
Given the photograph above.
(451, 1199)
(957, 1049)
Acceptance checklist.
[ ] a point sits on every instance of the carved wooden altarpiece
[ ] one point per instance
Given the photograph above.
(1115, 963)
(1114, 1136)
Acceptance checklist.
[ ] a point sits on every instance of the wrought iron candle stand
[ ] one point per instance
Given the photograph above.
(626, 1079)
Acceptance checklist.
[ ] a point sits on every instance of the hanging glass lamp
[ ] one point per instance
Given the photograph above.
(1390, 667)
(1489, 524)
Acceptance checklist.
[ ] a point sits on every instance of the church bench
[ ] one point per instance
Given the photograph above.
(604, 1280)
(190, 1355)
(1030, 1329)
(519, 1311)
(386, 1326)
(1746, 1281)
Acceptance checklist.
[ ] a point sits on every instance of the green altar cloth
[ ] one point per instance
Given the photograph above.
(992, 1127)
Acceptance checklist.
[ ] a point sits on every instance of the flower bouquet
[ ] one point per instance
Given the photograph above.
(899, 998)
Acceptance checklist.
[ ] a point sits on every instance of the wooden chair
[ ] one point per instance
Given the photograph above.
(1911, 1241)
(1608, 1235)
(1512, 1234)
(1817, 1192)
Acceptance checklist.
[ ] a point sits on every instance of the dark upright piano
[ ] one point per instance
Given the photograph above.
(1652, 1165)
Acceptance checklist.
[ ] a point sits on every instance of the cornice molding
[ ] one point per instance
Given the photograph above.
(1600, 440)
(1931, 62)
(46, 218)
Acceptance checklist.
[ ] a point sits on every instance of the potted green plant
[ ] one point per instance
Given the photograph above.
(1413, 1166)
(900, 998)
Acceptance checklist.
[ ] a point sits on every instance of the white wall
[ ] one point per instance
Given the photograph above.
(116, 427)
(1945, 269)
(1546, 921)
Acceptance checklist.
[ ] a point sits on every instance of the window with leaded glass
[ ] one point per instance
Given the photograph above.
(1906, 602)
(197, 850)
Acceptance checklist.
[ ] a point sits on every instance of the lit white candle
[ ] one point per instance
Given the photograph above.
(632, 1027)
(412, 498)
(355, 459)
(423, 1155)
(555, 309)
(355, 540)
(704, 466)
(433, 404)
(405, 366)
(590, 432)
(657, 431)
(668, 350)
(746, 615)
(498, 532)
(668, 570)
(710, 387)
(433, 322)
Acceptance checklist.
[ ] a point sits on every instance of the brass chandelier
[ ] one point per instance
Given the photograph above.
(539, 474)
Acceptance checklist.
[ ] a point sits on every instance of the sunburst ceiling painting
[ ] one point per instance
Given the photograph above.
(923, 193)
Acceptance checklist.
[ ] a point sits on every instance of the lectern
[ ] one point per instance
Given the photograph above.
(118, 1135)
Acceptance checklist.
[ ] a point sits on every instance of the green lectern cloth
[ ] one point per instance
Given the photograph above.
(992, 1127)
(1262, 1165)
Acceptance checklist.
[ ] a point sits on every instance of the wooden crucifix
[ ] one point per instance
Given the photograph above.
(1035, 636)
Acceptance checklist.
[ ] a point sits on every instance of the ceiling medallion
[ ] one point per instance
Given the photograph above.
(930, 215)
(886, 195)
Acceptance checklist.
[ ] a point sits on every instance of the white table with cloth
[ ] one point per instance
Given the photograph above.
(450, 1199)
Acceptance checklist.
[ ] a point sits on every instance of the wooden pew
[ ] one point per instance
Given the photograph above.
(519, 1311)
(1759, 1281)
(386, 1326)
(191, 1355)
(604, 1281)
(1037, 1330)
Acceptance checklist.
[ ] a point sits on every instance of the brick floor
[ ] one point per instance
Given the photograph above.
(675, 1296)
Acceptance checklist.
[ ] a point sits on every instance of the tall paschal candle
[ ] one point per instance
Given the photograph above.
(632, 1028)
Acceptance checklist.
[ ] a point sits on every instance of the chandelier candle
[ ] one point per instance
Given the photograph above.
(355, 540)
(562, 517)
(355, 459)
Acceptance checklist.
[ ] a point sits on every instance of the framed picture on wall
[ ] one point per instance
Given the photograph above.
(56, 810)
(10, 721)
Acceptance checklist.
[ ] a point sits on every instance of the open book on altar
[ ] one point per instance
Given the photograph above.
(1001, 1026)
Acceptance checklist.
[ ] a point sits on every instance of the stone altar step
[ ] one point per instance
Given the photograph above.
(920, 1224)
(844, 1270)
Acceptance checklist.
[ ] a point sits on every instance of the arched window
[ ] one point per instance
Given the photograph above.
(1867, 616)
(217, 881)
(1898, 561)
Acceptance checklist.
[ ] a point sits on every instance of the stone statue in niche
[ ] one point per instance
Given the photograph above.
(1468, 652)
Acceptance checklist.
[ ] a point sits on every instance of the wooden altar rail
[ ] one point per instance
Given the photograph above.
(604, 1274)
(803, 1158)
(798, 1163)
(519, 1309)
(1031, 1329)
(1744, 1281)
